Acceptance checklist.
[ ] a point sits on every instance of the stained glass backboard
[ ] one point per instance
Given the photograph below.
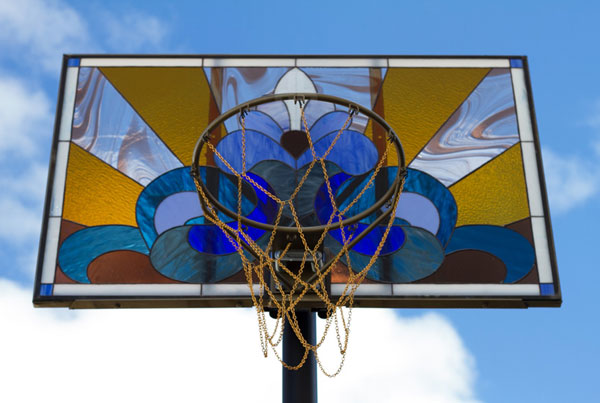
(124, 227)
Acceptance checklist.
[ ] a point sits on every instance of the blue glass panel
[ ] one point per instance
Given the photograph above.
(209, 239)
(261, 122)
(368, 245)
(509, 246)
(315, 109)
(349, 190)
(266, 208)
(46, 289)
(106, 125)
(73, 62)
(419, 211)
(85, 245)
(173, 256)
(259, 147)
(322, 203)
(198, 221)
(329, 123)
(353, 152)
(305, 200)
(420, 256)
(278, 112)
(547, 289)
(417, 184)
(280, 177)
(516, 63)
(176, 210)
(424, 184)
(180, 180)
(484, 126)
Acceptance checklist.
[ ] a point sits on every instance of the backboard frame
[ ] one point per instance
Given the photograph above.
(494, 299)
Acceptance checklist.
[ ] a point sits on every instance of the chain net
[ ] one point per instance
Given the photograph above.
(282, 300)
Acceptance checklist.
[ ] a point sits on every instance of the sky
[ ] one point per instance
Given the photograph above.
(541, 354)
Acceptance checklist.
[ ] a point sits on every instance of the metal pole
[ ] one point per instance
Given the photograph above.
(300, 386)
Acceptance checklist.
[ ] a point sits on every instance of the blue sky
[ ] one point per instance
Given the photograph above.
(498, 355)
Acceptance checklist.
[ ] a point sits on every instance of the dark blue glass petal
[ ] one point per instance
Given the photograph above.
(323, 205)
(368, 245)
(266, 208)
(85, 245)
(210, 239)
(509, 246)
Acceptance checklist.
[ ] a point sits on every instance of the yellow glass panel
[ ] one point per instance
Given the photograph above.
(96, 193)
(495, 194)
(417, 101)
(173, 101)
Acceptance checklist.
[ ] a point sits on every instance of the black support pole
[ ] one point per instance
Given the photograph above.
(300, 386)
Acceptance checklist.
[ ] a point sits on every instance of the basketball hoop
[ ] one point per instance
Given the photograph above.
(280, 265)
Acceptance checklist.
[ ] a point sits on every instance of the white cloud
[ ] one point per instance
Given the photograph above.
(21, 206)
(25, 130)
(394, 359)
(134, 31)
(213, 355)
(25, 118)
(19, 223)
(571, 180)
(42, 31)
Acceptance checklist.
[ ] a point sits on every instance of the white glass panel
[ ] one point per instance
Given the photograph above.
(228, 290)
(480, 63)
(127, 289)
(335, 62)
(542, 252)
(60, 173)
(522, 104)
(51, 250)
(66, 119)
(106, 125)
(466, 289)
(241, 62)
(532, 179)
(364, 289)
(141, 62)
(483, 127)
